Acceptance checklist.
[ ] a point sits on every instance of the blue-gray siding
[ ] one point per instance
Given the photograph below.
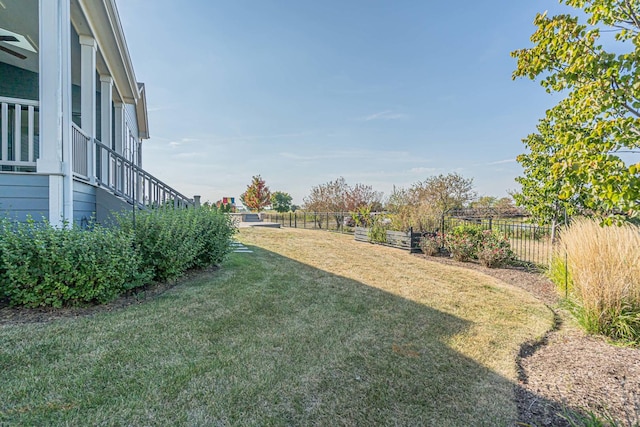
(24, 194)
(84, 202)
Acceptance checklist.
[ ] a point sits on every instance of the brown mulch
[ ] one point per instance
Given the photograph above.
(16, 315)
(568, 374)
(567, 371)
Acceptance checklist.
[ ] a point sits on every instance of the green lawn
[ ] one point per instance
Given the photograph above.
(310, 329)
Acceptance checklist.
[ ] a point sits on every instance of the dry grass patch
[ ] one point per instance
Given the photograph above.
(309, 329)
(604, 276)
(498, 317)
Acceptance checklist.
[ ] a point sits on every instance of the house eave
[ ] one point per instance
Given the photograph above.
(141, 111)
(100, 19)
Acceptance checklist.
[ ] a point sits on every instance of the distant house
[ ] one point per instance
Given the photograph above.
(72, 115)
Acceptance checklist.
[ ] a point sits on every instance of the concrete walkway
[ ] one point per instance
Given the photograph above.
(259, 224)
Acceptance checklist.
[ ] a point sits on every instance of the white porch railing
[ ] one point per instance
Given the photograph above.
(19, 134)
(132, 183)
(81, 143)
(92, 160)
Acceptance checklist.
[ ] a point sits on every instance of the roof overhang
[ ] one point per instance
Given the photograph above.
(100, 19)
(141, 111)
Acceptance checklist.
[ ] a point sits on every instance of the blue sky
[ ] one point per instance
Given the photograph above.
(301, 92)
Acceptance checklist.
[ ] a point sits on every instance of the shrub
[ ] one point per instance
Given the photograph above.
(172, 241)
(215, 231)
(462, 242)
(604, 272)
(45, 266)
(378, 229)
(431, 244)
(494, 249)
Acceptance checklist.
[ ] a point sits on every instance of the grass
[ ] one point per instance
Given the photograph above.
(604, 277)
(310, 329)
(535, 251)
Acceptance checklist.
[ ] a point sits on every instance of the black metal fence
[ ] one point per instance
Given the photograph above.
(530, 242)
(331, 221)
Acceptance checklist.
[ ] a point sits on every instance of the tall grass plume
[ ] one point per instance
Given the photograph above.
(603, 266)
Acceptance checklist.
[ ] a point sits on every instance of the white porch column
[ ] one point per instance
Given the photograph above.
(106, 119)
(120, 128)
(55, 107)
(88, 49)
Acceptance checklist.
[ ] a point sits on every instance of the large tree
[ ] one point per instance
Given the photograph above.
(338, 196)
(574, 161)
(424, 204)
(443, 193)
(257, 196)
(281, 201)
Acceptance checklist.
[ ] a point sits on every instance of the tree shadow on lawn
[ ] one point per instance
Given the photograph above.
(266, 341)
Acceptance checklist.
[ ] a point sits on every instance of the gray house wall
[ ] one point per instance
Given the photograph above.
(22, 195)
(84, 202)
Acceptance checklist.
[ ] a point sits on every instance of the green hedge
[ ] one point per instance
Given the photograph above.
(41, 265)
(45, 266)
(172, 241)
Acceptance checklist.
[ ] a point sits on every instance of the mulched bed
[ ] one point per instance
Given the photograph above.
(568, 370)
(15, 315)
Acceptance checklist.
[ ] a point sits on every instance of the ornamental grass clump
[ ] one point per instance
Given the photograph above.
(603, 271)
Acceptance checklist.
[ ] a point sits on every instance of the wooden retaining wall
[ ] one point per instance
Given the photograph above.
(396, 239)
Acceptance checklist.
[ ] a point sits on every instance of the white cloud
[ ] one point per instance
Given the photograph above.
(259, 137)
(182, 141)
(393, 156)
(422, 171)
(502, 162)
(382, 115)
(190, 155)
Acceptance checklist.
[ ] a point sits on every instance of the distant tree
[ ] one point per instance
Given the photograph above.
(329, 197)
(484, 202)
(281, 202)
(339, 197)
(506, 206)
(443, 193)
(423, 205)
(360, 196)
(398, 199)
(257, 196)
(493, 206)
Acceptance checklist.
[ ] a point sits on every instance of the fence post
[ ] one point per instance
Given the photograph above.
(410, 239)
(490, 223)
(442, 233)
